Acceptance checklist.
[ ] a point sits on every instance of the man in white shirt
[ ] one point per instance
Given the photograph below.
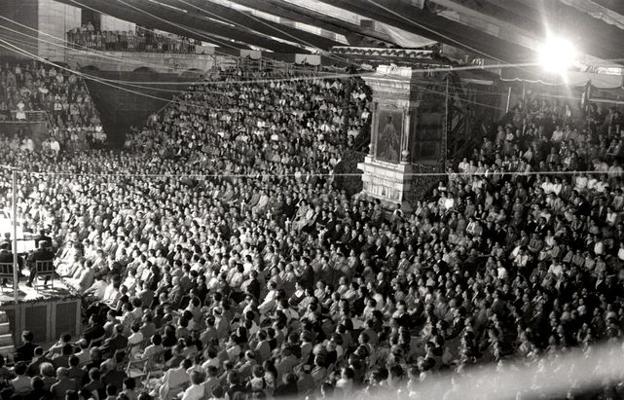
(20, 115)
(174, 380)
(84, 355)
(557, 135)
(620, 253)
(196, 390)
(556, 269)
(112, 294)
(598, 246)
(28, 145)
(83, 277)
(98, 288)
(55, 146)
(581, 182)
(520, 258)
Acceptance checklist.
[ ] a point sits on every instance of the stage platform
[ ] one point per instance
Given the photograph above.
(48, 311)
(27, 293)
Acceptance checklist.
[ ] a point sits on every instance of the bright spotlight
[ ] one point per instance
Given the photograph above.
(557, 55)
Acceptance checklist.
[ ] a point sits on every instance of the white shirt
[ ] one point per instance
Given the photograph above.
(557, 136)
(83, 356)
(463, 166)
(556, 269)
(110, 295)
(194, 392)
(99, 288)
(135, 338)
(212, 362)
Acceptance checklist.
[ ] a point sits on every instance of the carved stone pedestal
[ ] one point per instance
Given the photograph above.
(385, 181)
(406, 136)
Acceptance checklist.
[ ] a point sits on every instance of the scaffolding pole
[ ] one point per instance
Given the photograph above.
(15, 263)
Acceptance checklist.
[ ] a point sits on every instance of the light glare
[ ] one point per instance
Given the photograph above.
(557, 55)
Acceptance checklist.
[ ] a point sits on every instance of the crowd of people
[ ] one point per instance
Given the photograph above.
(144, 40)
(216, 255)
(28, 90)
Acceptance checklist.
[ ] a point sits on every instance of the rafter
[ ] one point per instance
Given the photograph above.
(230, 15)
(300, 14)
(504, 11)
(613, 5)
(213, 27)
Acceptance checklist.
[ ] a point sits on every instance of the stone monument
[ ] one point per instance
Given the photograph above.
(407, 135)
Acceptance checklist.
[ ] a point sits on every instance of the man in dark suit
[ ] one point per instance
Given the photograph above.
(6, 240)
(42, 237)
(63, 384)
(118, 341)
(27, 350)
(94, 331)
(252, 285)
(38, 359)
(62, 360)
(6, 256)
(41, 254)
(75, 372)
(113, 373)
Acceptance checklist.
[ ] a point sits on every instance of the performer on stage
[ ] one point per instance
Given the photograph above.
(41, 254)
(6, 256)
(43, 237)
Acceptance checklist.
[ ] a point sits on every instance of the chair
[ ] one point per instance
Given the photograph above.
(6, 272)
(145, 368)
(134, 349)
(44, 269)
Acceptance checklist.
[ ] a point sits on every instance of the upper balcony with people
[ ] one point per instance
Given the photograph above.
(139, 40)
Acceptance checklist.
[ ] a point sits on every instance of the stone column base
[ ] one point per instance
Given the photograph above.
(387, 182)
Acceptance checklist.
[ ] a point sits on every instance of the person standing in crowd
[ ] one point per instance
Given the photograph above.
(26, 351)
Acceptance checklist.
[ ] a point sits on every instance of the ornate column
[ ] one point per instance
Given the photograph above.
(397, 149)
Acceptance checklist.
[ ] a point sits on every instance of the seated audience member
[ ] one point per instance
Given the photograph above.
(63, 384)
(21, 383)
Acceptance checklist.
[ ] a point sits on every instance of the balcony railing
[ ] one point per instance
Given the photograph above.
(129, 41)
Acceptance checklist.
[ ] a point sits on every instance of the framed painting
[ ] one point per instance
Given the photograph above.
(389, 128)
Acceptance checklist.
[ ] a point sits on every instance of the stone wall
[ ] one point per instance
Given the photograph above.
(24, 12)
(110, 23)
(54, 20)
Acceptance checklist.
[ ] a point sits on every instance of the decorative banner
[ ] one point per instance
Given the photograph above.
(573, 78)
(308, 59)
(202, 49)
(253, 54)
